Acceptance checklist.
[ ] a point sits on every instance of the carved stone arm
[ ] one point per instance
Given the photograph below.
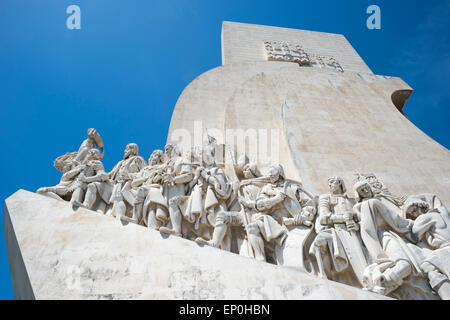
(264, 203)
(156, 178)
(99, 177)
(183, 178)
(138, 182)
(223, 192)
(70, 175)
(247, 203)
(324, 211)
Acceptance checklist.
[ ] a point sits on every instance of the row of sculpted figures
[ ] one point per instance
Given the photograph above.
(394, 246)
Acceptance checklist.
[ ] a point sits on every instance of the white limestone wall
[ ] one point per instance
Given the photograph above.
(243, 42)
(333, 123)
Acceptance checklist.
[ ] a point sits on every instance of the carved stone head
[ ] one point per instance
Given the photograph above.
(336, 185)
(362, 190)
(65, 162)
(131, 149)
(251, 171)
(156, 157)
(372, 179)
(276, 173)
(414, 207)
(170, 150)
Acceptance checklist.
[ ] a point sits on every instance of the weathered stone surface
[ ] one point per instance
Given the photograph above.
(243, 42)
(58, 253)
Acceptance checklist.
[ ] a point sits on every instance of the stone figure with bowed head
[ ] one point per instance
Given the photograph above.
(431, 229)
(337, 248)
(224, 219)
(93, 141)
(70, 169)
(381, 192)
(122, 175)
(93, 184)
(149, 199)
(386, 235)
(175, 181)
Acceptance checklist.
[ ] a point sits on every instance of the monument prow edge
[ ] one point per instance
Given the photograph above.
(80, 254)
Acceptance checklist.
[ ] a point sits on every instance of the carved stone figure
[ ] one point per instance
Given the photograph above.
(337, 247)
(214, 194)
(64, 189)
(385, 235)
(122, 175)
(264, 213)
(69, 163)
(93, 183)
(225, 219)
(432, 230)
(93, 141)
(175, 180)
(149, 201)
(393, 202)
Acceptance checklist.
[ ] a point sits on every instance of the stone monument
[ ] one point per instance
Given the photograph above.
(290, 172)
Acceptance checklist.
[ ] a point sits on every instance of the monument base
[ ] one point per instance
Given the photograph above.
(57, 252)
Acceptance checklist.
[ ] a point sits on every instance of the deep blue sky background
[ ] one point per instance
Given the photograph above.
(123, 71)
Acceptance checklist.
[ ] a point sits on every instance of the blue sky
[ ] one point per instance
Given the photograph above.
(123, 72)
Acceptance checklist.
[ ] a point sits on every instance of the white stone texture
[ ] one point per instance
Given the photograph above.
(242, 42)
(330, 123)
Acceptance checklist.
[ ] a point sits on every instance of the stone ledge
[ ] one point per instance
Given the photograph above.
(81, 254)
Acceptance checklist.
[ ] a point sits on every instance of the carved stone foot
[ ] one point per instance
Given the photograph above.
(76, 203)
(202, 241)
(128, 219)
(169, 231)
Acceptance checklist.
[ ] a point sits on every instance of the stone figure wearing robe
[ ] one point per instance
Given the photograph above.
(381, 192)
(122, 176)
(337, 247)
(64, 189)
(387, 237)
(149, 199)
(176, 181)
(93, 184)
(211, 195)
(233, 216)
(431, 229)
(266, 211)
(71, 164)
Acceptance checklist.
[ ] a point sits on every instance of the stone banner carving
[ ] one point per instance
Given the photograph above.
(377, 241)
(284, 51)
